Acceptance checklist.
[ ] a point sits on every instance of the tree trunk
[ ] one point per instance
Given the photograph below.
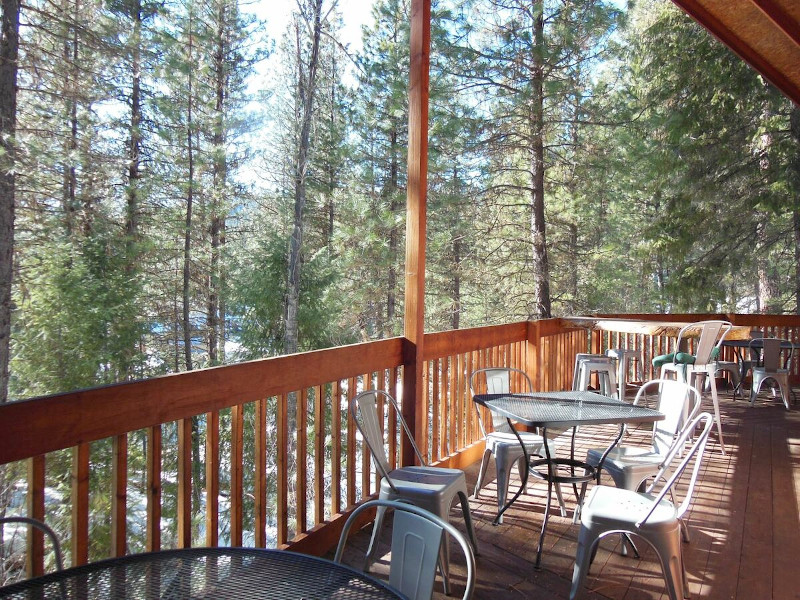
(220, 176)
(70, 176)
(541, 268)
(306, 83)
(9, 50)
(187, 239)
(135, 141)
(794, 125)
(394, 233)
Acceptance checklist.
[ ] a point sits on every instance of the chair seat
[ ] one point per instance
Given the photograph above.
(422, 481)
(623, 457)
(534, 443)
(608, 505)
(628, 466)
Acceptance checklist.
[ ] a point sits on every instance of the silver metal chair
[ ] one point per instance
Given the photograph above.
(650, 516)
(434, 489)
(695, 369)
(772, 369)
(501, 442)
(631, 466)
(46, 530)
(418, 537)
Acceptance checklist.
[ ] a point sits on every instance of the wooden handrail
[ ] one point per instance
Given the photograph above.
(319, 468)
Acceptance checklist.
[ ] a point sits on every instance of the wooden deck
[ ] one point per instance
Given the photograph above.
(744, 525)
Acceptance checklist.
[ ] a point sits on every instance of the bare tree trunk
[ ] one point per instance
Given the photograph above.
(394, 233)
(541, 267)
(220, 175)
(306, 83)
(135, 141)
(9, 51)
(794, 125)
(70, 177)
(187, 239)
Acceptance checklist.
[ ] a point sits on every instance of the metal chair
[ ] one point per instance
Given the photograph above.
(695, 368)
(626, 358)
(772, 368)
(418, 536)
(604, 366)
(650, 516)
(45, 529)
(431, 488)
(631, 466)
(501, 442)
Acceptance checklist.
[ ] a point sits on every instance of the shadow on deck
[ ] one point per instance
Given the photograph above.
(743, 520)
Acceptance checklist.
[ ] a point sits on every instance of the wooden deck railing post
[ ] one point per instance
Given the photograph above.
(413, 407)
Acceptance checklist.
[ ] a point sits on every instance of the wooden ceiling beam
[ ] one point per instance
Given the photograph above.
(725, 29)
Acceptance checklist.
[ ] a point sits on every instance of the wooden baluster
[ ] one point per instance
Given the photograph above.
(237, 473)
(319, 454)
(301, 475)
(393, 419)
(212, 478)
(35, 502)
(119, 495)
(184, 508)
(365, 455)
(260, 491)
(80, 504)
(153, 542)
(436, 442)
(351, 445)
(336, 447)
(283, 470)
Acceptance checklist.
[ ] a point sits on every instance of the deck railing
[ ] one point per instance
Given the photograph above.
(216, 456)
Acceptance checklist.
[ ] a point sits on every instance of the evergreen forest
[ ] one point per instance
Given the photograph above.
(181, 189)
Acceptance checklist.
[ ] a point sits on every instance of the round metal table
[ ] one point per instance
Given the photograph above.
(228, 573)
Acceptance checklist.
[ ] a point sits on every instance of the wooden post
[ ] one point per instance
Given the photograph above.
(413, 399)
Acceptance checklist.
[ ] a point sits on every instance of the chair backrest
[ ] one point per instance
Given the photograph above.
(44, 528)
(674, 467)
(496, 380)
(417, 537)
(364, 409)
(772, 353)
(678, 401)
(712, 333)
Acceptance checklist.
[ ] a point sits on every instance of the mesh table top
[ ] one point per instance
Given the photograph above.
(228, 573)
(566, 409)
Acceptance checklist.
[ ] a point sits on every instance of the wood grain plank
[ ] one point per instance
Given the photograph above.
(79, 540)
(283, 470)
(319, 455)
(103, 412)
(34, 499)
(184, 508)
(119, 495)
(212, 478)
(237, 474)
(261, 481)
(153, 541)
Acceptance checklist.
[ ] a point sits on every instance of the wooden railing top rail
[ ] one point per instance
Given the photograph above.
(40, 425)
(648, 327)
(735, 318)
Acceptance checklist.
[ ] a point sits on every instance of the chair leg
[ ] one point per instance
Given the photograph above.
(717, 417)
(468, 522)
(587, 541)
(482, 472)
(503, 475)
(380, 513)
(668, 549)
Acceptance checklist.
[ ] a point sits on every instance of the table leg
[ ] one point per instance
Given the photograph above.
(525, 472)
(715, 399)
